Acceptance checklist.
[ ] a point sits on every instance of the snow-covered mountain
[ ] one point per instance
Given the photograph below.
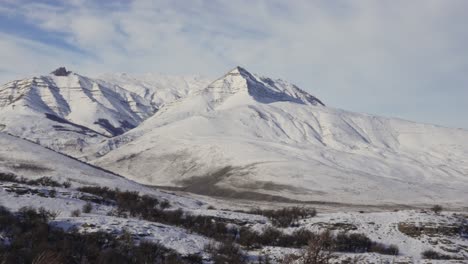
(32, 161)
(250, 136)
(241, 135)
(68, 112)
(158, 88)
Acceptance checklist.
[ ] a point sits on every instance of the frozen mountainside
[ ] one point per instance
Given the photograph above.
(109, 110)
(158, 88)
(248, 136)
(32, 161)
(69, 112)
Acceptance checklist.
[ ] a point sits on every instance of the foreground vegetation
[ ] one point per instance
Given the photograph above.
(28, 238)
(42, 181)
(151, 209)
(231, 238)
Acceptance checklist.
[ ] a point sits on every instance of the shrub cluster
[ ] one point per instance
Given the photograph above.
(272, 236)
(360, 243)
(431, 254)
(43, 181)
(342, 242)
(226, 252)
(149, 208)
(32, 240)
(87, 208)
(75, 213)
(437, 209)
(127, 201)
(286, 216)
(321, 247)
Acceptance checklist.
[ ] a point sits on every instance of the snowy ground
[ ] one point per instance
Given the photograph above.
(379, 226)
(383, 227)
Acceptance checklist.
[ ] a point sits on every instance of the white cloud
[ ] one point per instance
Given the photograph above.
(20, 57)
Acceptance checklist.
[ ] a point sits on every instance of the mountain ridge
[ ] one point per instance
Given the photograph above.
(285, 148)
(277, 139)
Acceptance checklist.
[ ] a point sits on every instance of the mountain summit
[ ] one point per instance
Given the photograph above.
(261, 89)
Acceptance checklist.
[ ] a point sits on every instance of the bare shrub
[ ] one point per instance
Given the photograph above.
(8, 177)
(32, 240)
(75, 213)
(87, 208)
(226, 252)
(431, 254)
(67, 184)
(319, 250)
(437, 209)
(286, 216)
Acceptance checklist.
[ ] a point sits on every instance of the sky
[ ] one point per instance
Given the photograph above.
(395, 58)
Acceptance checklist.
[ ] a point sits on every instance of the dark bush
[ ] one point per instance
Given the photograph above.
(127, 201)
(33, 241)
(356, 243)
(437, 209)
(226, 252)
(75, 213)
(287, 216)
(43, 181)
(150, 209)
(360, 243)
(87, 208)
(319, 249)
(165, 204)
(271, 236)
(431, 254)
(67, 184)
(8, 177)
(384, 249)
(104, 192)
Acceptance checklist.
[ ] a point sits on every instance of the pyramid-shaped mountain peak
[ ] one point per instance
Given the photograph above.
(261, 89)
(238, 70)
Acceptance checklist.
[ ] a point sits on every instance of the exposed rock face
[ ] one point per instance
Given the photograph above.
(61, 71)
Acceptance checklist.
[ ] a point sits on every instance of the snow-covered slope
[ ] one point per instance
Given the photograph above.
(241, 135)
(69, 112)
(251, 134)
(109, 110)
(158, 88)
(32, 161)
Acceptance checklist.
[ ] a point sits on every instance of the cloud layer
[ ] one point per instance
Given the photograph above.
(396, 58)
